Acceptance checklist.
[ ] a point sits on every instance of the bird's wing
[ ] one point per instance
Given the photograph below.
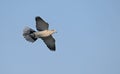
(27, 34)
(41, 24)
(50, 42)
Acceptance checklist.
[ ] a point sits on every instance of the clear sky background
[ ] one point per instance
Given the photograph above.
(87, 42)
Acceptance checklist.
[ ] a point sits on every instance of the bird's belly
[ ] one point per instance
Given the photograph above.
(42, 34)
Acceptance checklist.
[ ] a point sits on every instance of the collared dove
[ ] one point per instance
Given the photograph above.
(43, 33)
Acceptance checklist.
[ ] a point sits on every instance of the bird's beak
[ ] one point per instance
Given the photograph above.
(54, 31)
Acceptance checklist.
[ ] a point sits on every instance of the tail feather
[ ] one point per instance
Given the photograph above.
(28, 34)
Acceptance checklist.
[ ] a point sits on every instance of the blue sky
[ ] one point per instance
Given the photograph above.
(87, 42)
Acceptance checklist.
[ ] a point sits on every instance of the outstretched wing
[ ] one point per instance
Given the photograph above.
(27, 33)
(50, 42)
(41, 24)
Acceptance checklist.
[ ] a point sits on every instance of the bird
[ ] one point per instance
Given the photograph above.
(42, 32)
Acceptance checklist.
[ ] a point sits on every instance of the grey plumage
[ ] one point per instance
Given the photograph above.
(28, 34)
(43, 33)
(41, 24)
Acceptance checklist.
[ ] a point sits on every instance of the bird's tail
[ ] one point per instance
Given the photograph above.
(28, 34)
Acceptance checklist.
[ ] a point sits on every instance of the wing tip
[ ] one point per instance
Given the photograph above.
(53, 48)
(38, 18)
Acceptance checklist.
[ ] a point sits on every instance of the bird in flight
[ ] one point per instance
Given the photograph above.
(42, 32)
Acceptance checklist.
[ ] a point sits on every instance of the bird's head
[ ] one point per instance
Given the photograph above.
(54, 31)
